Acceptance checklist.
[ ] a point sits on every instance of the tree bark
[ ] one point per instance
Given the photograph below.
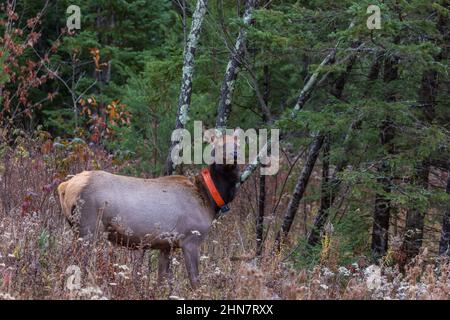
(233, 67)
(415, 218)
(381, 217)
(184, 99)
(325, 198)
(305, 94)
(267, 115)
(260, 217)
(300, 187)
(338, 88)
(444, 243)
(262, 178)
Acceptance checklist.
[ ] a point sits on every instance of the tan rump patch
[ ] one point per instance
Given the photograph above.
(70, 191)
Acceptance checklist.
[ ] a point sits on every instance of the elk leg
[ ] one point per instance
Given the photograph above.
(190, 252)
(163, 264)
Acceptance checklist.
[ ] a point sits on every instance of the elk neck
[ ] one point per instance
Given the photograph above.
(225, 178)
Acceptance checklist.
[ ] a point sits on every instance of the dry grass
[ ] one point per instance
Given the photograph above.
(39, 254)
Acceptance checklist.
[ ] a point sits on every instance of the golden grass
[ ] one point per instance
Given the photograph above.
(41, 259)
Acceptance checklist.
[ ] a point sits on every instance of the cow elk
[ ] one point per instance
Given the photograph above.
(164, 213)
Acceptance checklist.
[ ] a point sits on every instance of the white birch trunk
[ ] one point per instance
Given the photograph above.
(233, 68)
(184, 99)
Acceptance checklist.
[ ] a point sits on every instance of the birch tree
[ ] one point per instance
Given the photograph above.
(311, 158)
(300, 187)
(329, 190)
(233, 67)
(184, 100)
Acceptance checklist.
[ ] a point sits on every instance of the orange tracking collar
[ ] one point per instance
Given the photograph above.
(209, 183)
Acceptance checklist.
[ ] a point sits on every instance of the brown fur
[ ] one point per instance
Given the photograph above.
(162, 213)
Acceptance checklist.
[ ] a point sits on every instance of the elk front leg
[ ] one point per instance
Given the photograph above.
(191, 259)
(163, 265)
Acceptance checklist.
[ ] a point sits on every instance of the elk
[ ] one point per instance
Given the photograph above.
(163, 213)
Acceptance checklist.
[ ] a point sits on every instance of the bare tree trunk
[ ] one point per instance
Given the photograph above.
(325, 197)
(300, 187)
(234, 65)
(267, 115)
(382, 208)
(381, 217)
(262, 178)
(305, 94)
(374, 72)
(260, 217)
(184, 100)
(415, 218)
(338, 88)
(444, 243)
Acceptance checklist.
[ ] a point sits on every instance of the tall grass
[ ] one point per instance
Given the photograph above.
(40, 257)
